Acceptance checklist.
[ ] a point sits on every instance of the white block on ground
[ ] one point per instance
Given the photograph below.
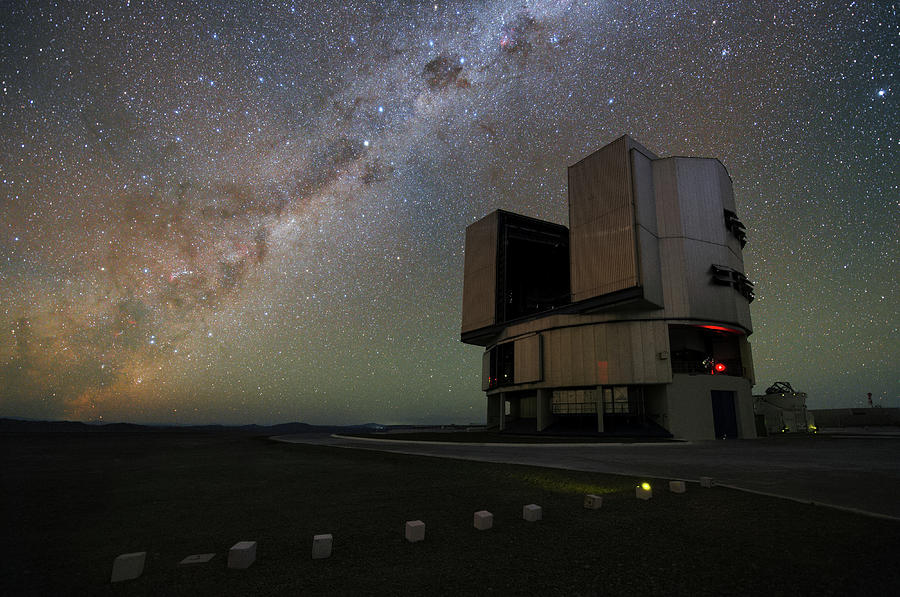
(197, 558)
(532, 513)
(322, 546)
(415, 531)
(593, 502)
(483, 520)
(643, 494)
(676, 486)
(706, 481)
(128, 566)
(242, 554)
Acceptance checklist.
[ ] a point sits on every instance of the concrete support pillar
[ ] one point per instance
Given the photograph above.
(495, 410)
(545, 416)
(515, 409)
(502, 411)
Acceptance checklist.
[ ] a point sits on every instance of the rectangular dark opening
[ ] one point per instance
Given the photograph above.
(532, 267)
(503, 359)
(724, 415)
(698, 350)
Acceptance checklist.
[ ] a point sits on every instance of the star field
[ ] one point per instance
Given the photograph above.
(227, 212)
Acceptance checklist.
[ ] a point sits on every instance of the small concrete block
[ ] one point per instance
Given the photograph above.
(322, 546)
(242, 554)
(643, 494)
(415, 531)
(483, 520)
(199, 558)
(532, 513)
(706, 481)
(128, 566)
(593, 502)
(676, 486)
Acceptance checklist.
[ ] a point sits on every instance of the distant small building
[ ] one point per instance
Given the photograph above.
(782, 410)
(634, 319)
(842, 418)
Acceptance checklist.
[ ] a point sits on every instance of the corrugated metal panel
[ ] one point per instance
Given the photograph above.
(588, 356)
(527, 355)
(638, 349)
(601, 219)
(624, 355)
(584, 356)
(700, 200)
(665, 187)
(603, 255)
(661, 337)
(480, 274)
(726, 189)
(528, 407)
(674, 278)
(644, 195)
(649, 274)
(566, 350)
(600, 183)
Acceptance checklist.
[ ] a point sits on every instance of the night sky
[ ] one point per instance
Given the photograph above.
(220, 212)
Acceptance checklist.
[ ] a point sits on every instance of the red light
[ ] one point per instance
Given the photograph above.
(720, 367)
(719, 328)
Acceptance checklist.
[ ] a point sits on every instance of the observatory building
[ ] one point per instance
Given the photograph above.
(633, 320)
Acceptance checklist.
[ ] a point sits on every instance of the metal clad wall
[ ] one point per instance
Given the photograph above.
(650, 276)
(706, 241)
(591, 355)
(726, 189)
(527, 355)
(726, 192)
(624, 355)
(587, 356)
(528, 407)
(702, 215)
(608, 345)
(665, 187)
(691, 195)
(601, 223)
(637, 349)
(480, 274)
(671, 243)
(571, 356)
(550, 352)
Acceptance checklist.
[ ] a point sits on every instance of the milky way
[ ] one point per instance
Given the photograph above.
(219, 212)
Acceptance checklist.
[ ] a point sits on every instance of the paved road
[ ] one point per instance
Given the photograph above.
(861, 473)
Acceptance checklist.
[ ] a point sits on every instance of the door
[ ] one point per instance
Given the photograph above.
(724, 415)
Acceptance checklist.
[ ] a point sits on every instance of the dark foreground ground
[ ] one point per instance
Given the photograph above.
(72, 502)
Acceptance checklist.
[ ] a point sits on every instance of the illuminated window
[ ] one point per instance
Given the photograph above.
(502, 365)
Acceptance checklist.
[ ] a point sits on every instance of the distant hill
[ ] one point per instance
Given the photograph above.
(21, 426)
